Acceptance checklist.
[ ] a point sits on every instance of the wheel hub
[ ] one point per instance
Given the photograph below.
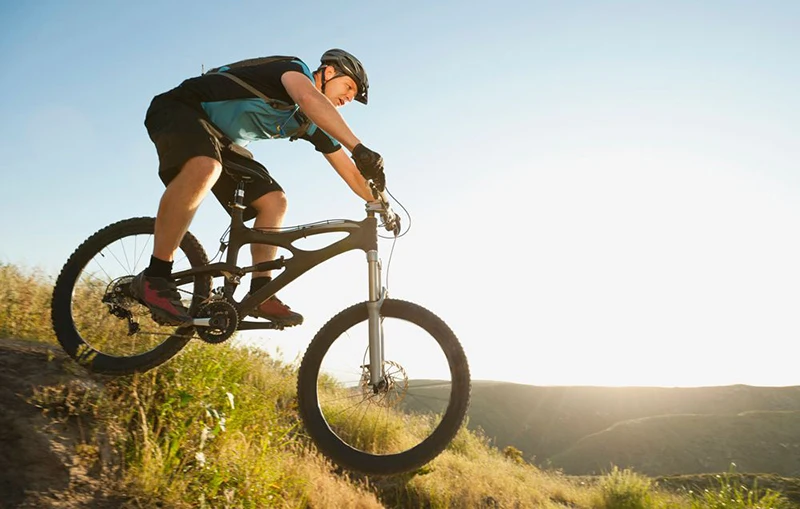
(392, 388)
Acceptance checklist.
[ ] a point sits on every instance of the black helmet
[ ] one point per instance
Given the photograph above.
(349, 65)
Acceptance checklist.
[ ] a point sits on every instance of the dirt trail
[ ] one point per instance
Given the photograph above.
(39, 465)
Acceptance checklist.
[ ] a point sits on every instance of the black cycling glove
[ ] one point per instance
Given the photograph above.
(370, 164)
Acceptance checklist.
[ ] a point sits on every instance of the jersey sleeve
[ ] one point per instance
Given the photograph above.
(321, 141)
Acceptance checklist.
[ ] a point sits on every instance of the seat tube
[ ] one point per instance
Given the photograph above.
(376, 296)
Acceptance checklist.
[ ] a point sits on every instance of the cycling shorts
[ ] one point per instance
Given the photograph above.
(180, 132)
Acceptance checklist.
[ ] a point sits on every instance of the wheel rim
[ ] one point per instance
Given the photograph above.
(400, 413)
(108, 321)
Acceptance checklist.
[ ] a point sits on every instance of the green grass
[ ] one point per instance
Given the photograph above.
(217, 426)
(731, 492)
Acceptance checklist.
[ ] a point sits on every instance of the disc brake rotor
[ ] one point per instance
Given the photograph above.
(391, 390)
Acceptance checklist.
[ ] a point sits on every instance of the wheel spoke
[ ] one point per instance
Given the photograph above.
(402, 411)
(94, 312)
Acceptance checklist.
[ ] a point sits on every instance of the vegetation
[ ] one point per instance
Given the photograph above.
(653, 430)
(692, 444)
(217, 427)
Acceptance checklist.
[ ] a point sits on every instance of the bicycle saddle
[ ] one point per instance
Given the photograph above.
(239, 164)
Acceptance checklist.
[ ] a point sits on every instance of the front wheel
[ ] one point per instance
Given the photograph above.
(408, 418)
(94, 317)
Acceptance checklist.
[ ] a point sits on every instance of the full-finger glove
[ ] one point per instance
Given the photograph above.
(370, 164)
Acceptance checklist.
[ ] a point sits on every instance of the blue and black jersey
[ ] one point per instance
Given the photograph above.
(242, 116)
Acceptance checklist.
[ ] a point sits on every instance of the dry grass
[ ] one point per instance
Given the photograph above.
(25, 304)
(491, 480)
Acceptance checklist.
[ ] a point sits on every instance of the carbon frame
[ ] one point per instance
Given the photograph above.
(362, 235)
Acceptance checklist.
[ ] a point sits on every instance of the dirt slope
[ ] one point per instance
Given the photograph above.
(38, 464)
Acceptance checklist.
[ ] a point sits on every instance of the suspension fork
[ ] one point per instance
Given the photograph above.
(377, 294)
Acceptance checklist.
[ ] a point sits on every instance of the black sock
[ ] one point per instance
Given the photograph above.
(258, 282)
(158, 268)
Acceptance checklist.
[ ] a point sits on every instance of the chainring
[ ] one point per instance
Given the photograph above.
(223, 321)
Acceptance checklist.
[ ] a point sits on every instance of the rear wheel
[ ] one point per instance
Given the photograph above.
(408, 418)
(94, 318)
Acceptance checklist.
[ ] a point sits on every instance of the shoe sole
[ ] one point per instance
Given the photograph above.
(162, 318)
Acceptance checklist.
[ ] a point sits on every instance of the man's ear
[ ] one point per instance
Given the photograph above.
(330, 72)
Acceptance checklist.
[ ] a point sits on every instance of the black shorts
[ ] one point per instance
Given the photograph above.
(180, 132)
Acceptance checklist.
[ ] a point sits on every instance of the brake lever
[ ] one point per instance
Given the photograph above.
(390, 222)
(391, 225)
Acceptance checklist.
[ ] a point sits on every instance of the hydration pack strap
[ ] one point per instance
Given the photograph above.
(304, 122)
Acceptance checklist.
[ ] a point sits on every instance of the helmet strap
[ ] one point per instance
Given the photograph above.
(323, 80)
(326, 81)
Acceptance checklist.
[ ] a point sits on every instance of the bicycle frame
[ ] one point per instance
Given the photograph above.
(362, 235)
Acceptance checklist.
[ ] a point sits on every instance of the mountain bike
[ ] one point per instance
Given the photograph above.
(384, 385)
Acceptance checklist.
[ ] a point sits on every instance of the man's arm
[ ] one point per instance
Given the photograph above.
(346, 169)
(318, 108)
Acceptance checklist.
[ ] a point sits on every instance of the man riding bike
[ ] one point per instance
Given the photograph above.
(228, 107)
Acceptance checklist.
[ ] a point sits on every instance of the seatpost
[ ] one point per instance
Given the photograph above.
(237, 207)
(238, 197)
(237, 222)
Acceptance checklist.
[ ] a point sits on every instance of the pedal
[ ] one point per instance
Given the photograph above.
(267, 325)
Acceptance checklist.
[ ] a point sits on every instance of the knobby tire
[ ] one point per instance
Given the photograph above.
(330, 444)
(61, 310)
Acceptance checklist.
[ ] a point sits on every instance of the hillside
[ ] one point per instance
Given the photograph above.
(41, 460)
(70, 439)
(757, 441)
(546, 422)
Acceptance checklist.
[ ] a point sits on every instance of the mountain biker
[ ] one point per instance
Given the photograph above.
(270, 97)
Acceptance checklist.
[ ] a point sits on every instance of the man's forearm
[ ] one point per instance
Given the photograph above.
(347, 170)
(320, 110)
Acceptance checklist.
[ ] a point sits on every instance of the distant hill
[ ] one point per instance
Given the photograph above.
(662, 431)
(692, 444)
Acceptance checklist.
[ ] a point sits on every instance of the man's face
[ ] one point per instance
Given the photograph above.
(341, 89)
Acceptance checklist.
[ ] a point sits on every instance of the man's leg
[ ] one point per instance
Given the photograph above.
(271, 209)
(154, 287)
(180, 201)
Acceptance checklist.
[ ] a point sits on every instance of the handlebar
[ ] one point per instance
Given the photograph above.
(391, 221)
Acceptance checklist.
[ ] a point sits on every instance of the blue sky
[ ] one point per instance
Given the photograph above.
(602, 193)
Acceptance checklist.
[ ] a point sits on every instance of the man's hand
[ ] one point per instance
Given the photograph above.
(370, 164)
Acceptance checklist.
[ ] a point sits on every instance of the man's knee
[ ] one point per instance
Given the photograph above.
(202, 169)
(274, 202)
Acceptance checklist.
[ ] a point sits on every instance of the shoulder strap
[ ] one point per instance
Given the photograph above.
(304, 122)
(272, 102)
